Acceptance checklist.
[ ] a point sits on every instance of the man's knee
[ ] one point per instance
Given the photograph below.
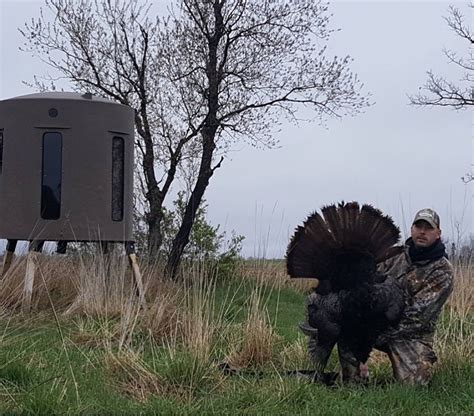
(420, 376)
(412, 362)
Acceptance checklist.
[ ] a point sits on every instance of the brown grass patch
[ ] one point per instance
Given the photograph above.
(162, 319)
(53, 285)
(462, 298)
(295, 355)
(454, 337)
(132, 376)
(256, 347)
(273, 274)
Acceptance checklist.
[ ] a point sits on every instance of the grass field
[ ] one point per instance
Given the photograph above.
(88, 349)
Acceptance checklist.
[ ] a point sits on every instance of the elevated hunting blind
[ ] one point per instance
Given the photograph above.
(66, 170)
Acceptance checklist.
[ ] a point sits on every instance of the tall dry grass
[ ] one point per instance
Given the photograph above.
(254, 342)
(272, 273)
(455, 335)
(54, 283)
(94, 297)
(185, 324)
(132, 376)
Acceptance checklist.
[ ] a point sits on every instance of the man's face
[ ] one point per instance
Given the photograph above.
(423, 234)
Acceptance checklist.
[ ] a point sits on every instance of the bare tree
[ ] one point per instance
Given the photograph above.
(212, 73)
(439, 91)
(246, 65)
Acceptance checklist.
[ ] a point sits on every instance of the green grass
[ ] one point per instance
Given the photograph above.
(44, 371)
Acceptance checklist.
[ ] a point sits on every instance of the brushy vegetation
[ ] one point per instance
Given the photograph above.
(88, 348)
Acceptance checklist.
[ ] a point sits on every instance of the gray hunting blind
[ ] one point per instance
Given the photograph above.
(66, 173)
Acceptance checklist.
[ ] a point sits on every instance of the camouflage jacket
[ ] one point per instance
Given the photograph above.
(427, 285)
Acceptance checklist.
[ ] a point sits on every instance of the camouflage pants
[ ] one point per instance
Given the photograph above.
(412, 361)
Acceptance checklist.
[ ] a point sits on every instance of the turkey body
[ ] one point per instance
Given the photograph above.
(356, 317)
(353, 304)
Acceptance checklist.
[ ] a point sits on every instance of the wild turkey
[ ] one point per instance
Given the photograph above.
(352, 304)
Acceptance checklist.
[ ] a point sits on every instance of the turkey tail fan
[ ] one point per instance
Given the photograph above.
(308, 252)
(344, 231)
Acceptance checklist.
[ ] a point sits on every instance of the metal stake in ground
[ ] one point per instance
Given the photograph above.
(8, 256)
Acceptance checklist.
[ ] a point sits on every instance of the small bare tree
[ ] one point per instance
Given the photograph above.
(439, 91)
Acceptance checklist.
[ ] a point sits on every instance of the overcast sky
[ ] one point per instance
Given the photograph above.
(395, 156)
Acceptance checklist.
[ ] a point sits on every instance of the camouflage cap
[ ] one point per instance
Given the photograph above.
(428, 215)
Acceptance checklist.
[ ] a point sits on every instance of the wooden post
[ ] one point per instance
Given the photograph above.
(137, 276)
(34, 250)
(8, 256)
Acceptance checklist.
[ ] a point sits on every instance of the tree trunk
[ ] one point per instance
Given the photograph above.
(182, 237)
(154, 217)
(208, 132)
(155, 237)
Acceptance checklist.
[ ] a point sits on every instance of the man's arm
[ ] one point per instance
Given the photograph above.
(423, 307)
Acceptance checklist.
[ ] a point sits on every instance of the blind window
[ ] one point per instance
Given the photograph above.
(51, 176)
(118, 155)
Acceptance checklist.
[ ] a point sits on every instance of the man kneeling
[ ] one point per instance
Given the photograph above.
(426, 276)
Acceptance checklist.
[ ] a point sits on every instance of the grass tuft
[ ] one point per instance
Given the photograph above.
(133, 377)
(258, 341)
